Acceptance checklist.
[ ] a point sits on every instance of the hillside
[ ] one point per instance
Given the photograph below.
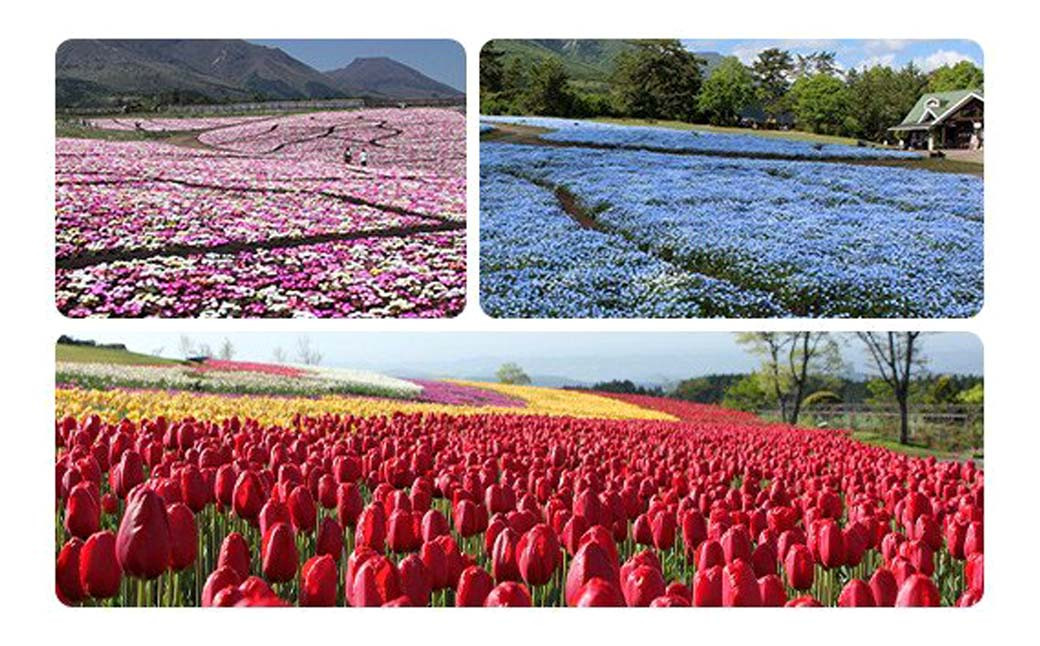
(386, 77)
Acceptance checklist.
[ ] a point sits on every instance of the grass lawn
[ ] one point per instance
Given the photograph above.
(69, 129)
(93, 354)
(875, 439)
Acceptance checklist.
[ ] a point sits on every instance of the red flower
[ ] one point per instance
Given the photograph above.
(400, 532)
(143, 540)
(194, 492)
(348, 503)
(469, 520)
(184, 536)
(234, 554)
(642, 585)
(805, 601)
(371, 528)
(376, 582)
(218, 580)
(707, 587)
(538, 555)
(82, 511)
(99, 571)
(856, 594)
(302, 510)
(771, 590)
(884, 588)
(474, 586)
(273, 512)
(434, 524)
(508, 594)
(799, 567)
(662, 525)
(973, 573)
(831, 544)
(415, 580)
(318, 580)
(330, 539)
(736, 544)
(598, 593)
(70, 589)
(503, 556)
(248, 496)
(278, 556)
(590, 561)
(917, 590)
(739, 585)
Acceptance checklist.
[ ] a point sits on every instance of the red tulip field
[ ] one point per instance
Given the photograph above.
(656, 502)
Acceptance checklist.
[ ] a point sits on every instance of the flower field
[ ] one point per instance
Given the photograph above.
(261, 217)
(560, 498)
(614, 232)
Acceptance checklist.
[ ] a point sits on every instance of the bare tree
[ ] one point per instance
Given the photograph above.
(187, 346)
(278, 355)
(789, 361)
(227, 350)
(896, 357)
(307, 355)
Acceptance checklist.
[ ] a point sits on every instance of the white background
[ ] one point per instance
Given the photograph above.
(1006, 325)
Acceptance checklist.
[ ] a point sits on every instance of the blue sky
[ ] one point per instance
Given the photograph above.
(584, 357)
(926, 54)
(441, 60)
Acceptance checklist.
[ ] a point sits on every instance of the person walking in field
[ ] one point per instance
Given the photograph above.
(364, 158)
(348, 155)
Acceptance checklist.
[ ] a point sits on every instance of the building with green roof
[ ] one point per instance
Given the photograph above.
(943, 120)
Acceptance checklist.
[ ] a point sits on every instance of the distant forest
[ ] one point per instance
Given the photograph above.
(662, 80)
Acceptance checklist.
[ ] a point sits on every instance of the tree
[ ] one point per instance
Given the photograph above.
(879, 97)
(772, 72)
(305, 354)
(728, 90)
(748, 393)
(227, 350)
(815, 63)
(491, 68)
(819, 103)
(186, 346)
(965, 75)
(658, 79)
(511, 373)
(789, 362)
(896, 357)
(548, 91)
(278, 355)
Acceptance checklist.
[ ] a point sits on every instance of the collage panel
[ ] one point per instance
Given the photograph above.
(731, 178)
(260, 179)
(519, 469)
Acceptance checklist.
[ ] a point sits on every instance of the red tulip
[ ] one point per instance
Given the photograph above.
(856, 594)
(598, 593)
(771, 590)
(508, 594)
(538, 555)
(371, 528)
(400, 532)
(884, 588)
(377, 582)
(831, 544)
(434, 524)
(143, 540)
(590, 561)
(642, 585)
(348, 503)
(194, 491)
(416, 582)
(330, 539)
(234, 554)
(70, 589)
(707, 587)
(278, 556)
(82, 511)
(917, 590)
(99, 571)
(318, 580)
(736, 544)
(662, 526)
(248, 496)
(475, 584)
(739, 585)
(219, 579)
(799, 567)
(468, 518)
(503, 556)
(184, 537)
(805, 601)
(974, 573)
(709, 554)
(273, 512)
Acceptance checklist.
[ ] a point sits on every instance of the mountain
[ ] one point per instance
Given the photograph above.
(386, 77)
(586, 61)
(115, 72)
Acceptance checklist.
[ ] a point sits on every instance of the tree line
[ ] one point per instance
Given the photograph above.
(662, 80)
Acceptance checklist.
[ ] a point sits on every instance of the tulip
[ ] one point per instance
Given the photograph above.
(468, 518)
(831, 544)
(82, 512)
(662, 526)
(400, 532)
(302, 511)
(318, 580)
(917, 590)
(707, 587)
(503, 556)
(538, 555)
(474, 586)
(143, 540)
(248, 496)
(99, 570)
(184, 537)
(330, 539)
(709, 554)
(736, 544)
(771, 591)
(70, 589)
(799, 567)
(278, 556)
(234, 554)
(348, 504)
(221, 578)
(642, 585)
(371, 528)
(592, 560)
(973, 573)
(598, 593)
(434, 524)
(508, 594)
(194, 492)
(377, 582)
(273, 512)
(739, 585)
(856, 594)
(416, 582)
(805, 601)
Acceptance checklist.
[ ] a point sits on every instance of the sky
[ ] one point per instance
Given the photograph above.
(926, 54)
(441, 60)
(650, 358)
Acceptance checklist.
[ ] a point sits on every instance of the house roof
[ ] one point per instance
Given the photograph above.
(933, 107)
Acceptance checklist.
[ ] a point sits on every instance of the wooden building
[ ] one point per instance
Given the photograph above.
(943, 120)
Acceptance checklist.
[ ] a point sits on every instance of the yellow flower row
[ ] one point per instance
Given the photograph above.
(113, 405)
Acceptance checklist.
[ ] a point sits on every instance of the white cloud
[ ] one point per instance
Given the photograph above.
(940, 58)
(880, 46)
(884, 60)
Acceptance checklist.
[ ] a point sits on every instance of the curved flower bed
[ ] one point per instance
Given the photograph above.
(455, 394)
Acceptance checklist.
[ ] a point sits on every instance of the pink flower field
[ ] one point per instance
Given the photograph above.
(263, 217)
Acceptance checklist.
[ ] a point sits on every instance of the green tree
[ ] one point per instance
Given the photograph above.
(973, 395)
(512, 373)
(965, 75)
(879, 97)
(491, 68)
(548, 91)
(658, 79)
(772, 72)
(791, 361)
(728, 90)
(896, 357)
(820, 103)
(749, 393)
